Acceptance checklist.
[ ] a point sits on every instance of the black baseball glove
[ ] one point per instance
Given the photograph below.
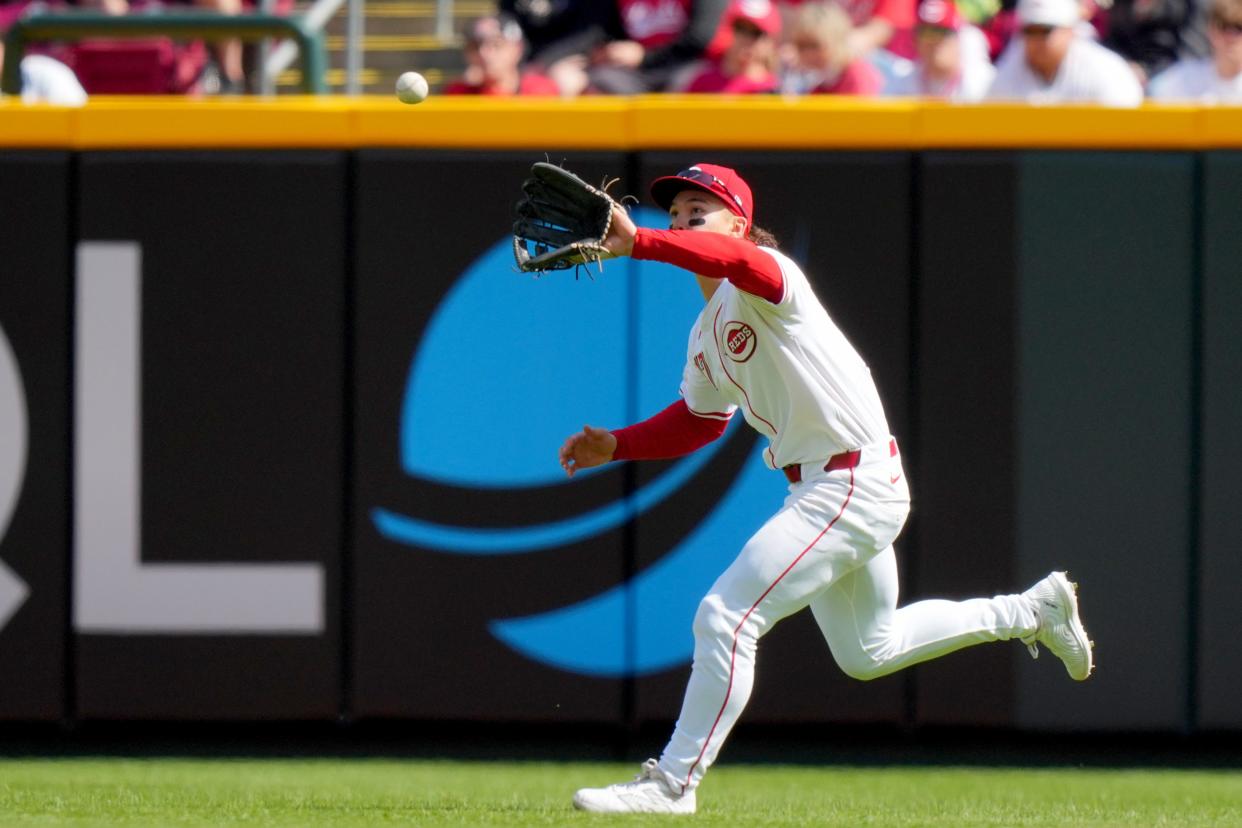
(561, 221)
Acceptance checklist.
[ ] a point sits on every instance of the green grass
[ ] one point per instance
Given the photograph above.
(369, 792)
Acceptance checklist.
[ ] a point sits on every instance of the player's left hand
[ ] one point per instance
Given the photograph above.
(587, 448)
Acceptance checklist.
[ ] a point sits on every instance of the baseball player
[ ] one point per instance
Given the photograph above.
(763, 344)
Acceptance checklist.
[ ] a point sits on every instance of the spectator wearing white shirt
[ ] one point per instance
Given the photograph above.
(1214, 79)
(46, 80)
(951, 57)
(43, 79)
(1051, 64)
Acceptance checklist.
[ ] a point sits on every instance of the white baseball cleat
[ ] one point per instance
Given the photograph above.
(649, 793)
(1060, 629)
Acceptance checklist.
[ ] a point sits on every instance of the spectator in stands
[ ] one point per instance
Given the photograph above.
(555, 28)
(1000, 28)
(654, 44)
(749, 63)
(948, 64)
(43, 78)
(622, 46)
(47, 80)
(559, 35)
(823, 60)
(1152, 34)
(1052, 63)
(228, 53)
(878, 24)
(1214, 79)
(1003, 26)
(494, 48)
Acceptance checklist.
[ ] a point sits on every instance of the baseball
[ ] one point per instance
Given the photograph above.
(411, 88)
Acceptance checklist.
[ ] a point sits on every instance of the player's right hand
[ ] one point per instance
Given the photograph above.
(587, 448)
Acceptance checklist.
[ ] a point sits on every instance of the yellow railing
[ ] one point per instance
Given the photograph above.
(651, 122)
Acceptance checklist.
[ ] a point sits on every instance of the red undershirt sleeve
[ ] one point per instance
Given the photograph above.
(715, 256)
(674, 432)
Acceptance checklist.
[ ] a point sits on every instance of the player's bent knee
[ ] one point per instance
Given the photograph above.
(862, 675)
(713, 619)
(860, 665)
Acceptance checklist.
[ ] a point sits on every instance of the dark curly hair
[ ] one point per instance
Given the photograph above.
(761, 237)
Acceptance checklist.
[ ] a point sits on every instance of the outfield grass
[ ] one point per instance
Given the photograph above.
(366, 792)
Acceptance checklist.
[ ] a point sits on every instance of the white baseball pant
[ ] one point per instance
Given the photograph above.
(829, 548)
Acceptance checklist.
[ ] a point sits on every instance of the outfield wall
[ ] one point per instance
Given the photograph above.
(278, 427)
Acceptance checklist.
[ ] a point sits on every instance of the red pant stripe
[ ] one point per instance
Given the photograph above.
(737, 629)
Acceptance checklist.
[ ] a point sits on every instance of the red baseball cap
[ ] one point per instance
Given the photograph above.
(721, 182)
(762, 14)
(940, 14)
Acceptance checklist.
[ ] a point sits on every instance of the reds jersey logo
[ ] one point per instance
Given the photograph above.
(739, 341)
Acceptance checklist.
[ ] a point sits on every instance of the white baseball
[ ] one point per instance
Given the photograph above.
(411, 88)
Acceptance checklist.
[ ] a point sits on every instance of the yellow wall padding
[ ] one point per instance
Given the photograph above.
(648, 122)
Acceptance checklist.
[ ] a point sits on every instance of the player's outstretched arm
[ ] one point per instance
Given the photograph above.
(715, 256)
(587, 448)
(674, 432)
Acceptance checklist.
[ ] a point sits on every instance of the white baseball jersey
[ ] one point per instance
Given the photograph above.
(787, 366)
(1195, 80)
(1089, 73)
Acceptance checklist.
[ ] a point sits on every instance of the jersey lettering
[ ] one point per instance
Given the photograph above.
(701, 363)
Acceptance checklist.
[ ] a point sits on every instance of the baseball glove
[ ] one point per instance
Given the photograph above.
(561, 221)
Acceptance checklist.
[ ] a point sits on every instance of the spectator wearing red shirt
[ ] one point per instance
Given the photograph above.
(494, 48)
(823, 61)
(749, 63)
